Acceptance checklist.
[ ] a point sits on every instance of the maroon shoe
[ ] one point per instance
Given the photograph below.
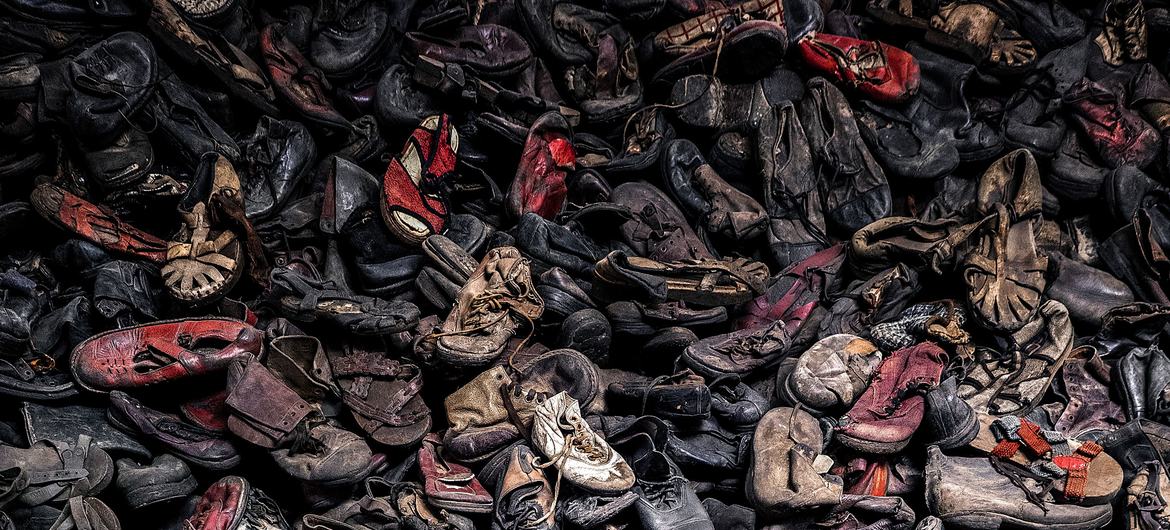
(160, 352)
(1121, 136)
(209, 411)
(91, 222)
(796, 292)
(191, 443)
(489, 50)
(548, 156)
(300, 84)
(886, 415)
(449, 485)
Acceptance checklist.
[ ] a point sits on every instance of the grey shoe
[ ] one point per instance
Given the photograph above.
(832, 373)
(164, 479)
(970, 493)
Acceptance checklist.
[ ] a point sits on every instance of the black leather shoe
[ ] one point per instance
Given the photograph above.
(682, 396)
(796, 222)
(950, 421)
(588, 332)
(853, 185)
(278, 155)
(351, 35)
(717, 206)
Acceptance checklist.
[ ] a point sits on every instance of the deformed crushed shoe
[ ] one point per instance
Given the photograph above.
(702, 282)
(491, 307)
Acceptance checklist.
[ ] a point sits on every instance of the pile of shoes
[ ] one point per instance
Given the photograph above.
(630, 264)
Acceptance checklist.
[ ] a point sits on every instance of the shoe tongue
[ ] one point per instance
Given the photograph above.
(653, 467)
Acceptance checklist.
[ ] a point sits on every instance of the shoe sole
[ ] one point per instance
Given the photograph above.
(869, 446)
(994, 521)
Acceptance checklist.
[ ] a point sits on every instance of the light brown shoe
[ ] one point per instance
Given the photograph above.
(787, 471)
(491, 308)
(1005, 271)
(478, 417)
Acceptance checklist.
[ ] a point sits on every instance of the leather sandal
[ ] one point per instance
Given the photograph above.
(309, 300)
(93, 223)
(1081, 472)
(381, 393)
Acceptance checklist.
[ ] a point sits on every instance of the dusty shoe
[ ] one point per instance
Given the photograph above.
(381, 393)
(788, 473)
(739, 352)
(950, 421)
(701, 282)
(970, 493)
(164, 479)
(581, 455)
(202, 264)
(1077, 471)
(304, 444)
(162, 352)
(498, 299)
(1014, 381)
(832, 373)
(88, 513)
(524, 497)
(59, 470)
(1145, 505)
(202, 447)
(478, 418)
(888, 413)
(450, 485)
(1005, 270)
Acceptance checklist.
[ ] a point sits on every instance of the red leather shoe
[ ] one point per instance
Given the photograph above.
(159, 352)
(414, 188)
(91, 222)
(449, 485)
(300, 84)
(233, 504)
(1121, 136)
(539, 185)
(877, 70)
(209, 411)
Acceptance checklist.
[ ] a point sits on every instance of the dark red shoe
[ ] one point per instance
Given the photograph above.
(1121, 136)
(539, 185)
(888, 413)
(877, 70)
(300, 84)
(414, 189)
(209, 411)
(159, 352)
(92, 223)
(450, 485)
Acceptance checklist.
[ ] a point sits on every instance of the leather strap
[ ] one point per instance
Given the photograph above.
(388, 413)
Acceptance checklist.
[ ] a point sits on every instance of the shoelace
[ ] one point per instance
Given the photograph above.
(577, 437)
(663, 495)
(870, 58)
(435, 189)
